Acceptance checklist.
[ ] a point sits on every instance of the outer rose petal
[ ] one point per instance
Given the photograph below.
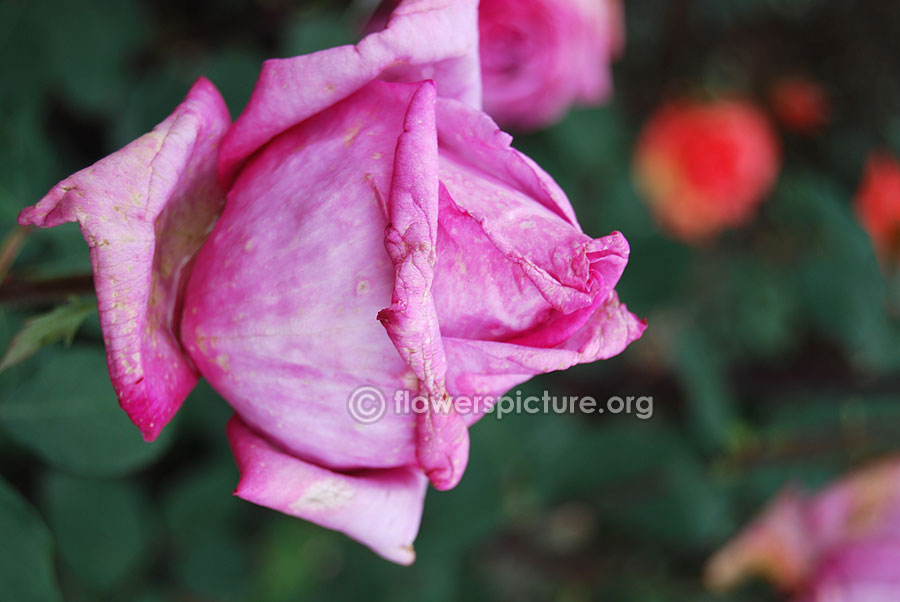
(281, 308)
(144, 211)
(424, 39)
(379, 508)
(442, 441)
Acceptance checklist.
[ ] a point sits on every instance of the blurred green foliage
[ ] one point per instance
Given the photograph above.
(60, 324)
(771, 353)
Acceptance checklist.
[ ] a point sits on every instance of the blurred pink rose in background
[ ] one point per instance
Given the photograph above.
(539, 57)
(703, 167)
(840, 545)
(877, 205)
(361, 224)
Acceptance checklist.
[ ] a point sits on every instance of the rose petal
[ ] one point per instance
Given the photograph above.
(498, 279)
(424, 39)
(476, 367)
(863, 571)
(442, 441)
(512, 261)
(778, 545)
(281, 308)
(144, 211)
(379, 508)
(473, 139)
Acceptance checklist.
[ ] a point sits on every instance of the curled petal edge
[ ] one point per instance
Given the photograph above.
(144, 211)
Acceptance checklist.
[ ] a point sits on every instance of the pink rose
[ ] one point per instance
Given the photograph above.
(538, 57)
(368, 227)
(842, 544)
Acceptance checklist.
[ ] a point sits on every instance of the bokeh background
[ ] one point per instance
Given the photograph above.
(771, 352)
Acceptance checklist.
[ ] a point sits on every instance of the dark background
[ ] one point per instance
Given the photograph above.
(771, 353)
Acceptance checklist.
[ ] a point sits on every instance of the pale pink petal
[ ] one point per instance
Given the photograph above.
(379, 508)
(144, 211)
(424, 39)
(442, 441)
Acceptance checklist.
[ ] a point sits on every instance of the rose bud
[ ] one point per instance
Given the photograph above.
(840, 544)
(371, 229)
(877, 205)
(539, 57)
(801, 105)
(705, 167)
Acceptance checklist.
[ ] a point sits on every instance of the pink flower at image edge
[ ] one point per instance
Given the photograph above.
(842, 543)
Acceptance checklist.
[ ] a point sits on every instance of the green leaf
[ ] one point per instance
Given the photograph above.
(67, 414)
(61, 324)
(711, 402)
(101, 527)
(26, 556)
(676, 503)
(839, 285)
(203, 515)
(295, 557)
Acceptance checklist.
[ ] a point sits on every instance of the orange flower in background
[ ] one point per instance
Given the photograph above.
(878, 204)
(704, 167)
(801, 105)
